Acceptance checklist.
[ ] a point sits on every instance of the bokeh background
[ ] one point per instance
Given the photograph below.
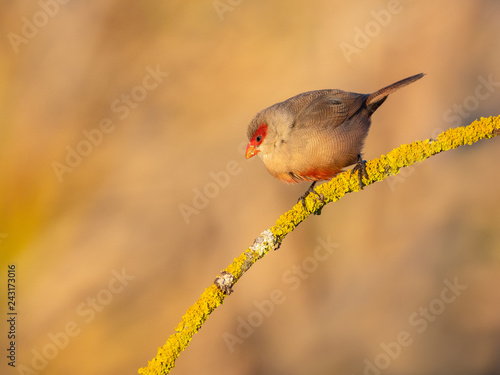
(71, 224)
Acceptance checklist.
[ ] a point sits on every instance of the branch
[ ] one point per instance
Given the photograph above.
(346, 182)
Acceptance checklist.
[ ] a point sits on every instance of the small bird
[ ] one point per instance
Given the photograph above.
(314, 135)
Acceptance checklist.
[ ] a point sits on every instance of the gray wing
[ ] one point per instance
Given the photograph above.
(328, 108)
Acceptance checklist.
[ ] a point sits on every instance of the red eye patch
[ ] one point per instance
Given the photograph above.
(259, 135)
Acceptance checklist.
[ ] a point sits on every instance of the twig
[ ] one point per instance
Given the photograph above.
(346, 182)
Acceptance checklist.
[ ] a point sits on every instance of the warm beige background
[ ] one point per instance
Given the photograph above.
(119, 208)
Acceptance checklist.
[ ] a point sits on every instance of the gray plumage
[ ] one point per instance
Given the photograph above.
(313, 135)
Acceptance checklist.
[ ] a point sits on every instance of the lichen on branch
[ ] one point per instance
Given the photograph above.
(346, 182)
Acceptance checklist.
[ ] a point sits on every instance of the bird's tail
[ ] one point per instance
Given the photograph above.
(378, 97)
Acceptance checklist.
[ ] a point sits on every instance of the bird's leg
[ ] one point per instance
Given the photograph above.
(360, 168)
(309, 191)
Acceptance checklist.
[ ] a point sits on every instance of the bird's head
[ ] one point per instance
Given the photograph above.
(267, 130)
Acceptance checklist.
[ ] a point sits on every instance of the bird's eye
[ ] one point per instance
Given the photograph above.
(258, 138)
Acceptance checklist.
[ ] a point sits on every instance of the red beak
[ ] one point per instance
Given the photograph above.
(251, 151)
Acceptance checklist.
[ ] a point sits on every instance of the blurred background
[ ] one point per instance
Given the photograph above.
(125, 191)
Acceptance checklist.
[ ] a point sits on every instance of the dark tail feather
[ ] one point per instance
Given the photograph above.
(376, 99)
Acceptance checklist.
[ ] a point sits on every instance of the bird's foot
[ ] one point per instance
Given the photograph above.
(361, 169)
(311, 191)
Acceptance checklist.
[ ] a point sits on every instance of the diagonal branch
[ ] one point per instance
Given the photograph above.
(346, 182)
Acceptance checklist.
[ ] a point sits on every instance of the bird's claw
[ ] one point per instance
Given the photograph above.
(361, 169)
(311, 190)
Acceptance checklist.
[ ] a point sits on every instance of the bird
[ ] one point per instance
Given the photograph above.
(316, 134)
